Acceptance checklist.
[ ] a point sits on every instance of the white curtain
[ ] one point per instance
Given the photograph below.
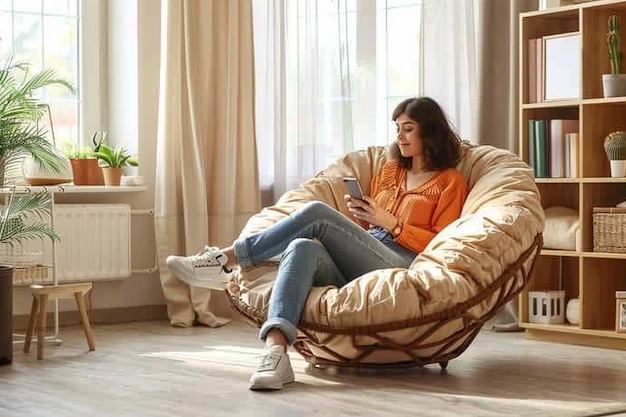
(330, 72)
(450, 60)
(304, 103)
(206, 172)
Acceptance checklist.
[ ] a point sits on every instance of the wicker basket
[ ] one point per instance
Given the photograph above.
(27, 266)
(609, 229)
(26, 275)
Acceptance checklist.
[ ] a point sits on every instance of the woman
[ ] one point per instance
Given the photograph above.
(415, 195)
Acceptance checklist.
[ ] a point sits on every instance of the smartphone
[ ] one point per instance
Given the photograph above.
(353, 187)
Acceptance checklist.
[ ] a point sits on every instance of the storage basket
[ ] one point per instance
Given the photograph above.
(27, 266)
(609, 229)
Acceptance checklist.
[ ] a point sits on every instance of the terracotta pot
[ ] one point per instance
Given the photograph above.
(6, 314)
(86, 172)
(112, 176)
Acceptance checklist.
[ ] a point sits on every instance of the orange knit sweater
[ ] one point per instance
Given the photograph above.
(423, 211)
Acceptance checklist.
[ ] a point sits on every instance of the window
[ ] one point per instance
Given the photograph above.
(55, 34)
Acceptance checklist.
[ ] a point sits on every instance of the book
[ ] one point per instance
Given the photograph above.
(532, 70)
(532, 156)
(541, 148)
(571, 146)
(558, 160)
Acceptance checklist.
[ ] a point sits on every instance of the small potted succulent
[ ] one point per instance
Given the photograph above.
(112, 160)
(614, 84)
(615, 148)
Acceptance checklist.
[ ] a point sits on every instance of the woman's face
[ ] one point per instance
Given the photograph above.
(409, 138)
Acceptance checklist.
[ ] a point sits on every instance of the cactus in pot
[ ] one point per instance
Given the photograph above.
(613, 42)
(615, 148)
(614, 84)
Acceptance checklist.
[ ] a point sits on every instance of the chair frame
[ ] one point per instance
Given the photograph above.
(446, 349)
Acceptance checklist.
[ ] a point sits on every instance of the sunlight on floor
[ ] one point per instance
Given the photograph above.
(225, 357)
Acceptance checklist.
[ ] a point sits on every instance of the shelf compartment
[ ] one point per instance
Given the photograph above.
(559, 193)
(594, 51)
(538, 24)
(600, 279)
(598, 122)
(552, 273)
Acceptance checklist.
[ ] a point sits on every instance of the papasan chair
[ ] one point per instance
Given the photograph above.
(432, 311)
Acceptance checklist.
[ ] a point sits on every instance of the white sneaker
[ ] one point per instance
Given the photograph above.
(273, 371)
(205, 269)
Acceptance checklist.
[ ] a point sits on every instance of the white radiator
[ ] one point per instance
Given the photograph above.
(94, 243)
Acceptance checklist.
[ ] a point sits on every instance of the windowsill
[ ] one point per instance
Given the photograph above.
(75, 189)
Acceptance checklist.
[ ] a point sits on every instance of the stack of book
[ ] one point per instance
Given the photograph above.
(553, 147)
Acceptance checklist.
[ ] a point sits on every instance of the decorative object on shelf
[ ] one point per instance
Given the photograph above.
(572, 312)
(615, 148)
(546, 307)
(620, 311)
(133, 180)
(561, 66)
(614, 84)
(609, 229)
(112, 160)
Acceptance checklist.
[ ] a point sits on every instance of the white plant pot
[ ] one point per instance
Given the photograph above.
(614, 85)
(618, 169)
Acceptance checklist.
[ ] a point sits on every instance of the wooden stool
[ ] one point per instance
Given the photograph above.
(41, 295)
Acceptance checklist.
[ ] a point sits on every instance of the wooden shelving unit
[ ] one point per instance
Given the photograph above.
(591, 276)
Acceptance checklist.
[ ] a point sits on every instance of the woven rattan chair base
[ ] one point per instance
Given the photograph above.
(507, 286)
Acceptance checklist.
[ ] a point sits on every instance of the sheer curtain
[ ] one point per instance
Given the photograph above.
(330, 72)
(450, 60)
(304, 103)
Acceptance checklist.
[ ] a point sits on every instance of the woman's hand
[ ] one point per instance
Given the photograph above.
(370, 211)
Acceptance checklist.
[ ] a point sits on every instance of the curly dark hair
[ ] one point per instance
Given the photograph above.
(441, 145)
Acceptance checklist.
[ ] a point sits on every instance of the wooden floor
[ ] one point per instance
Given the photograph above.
(152, 369)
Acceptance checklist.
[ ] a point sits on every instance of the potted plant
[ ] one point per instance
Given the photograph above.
(21, 135)
(112, 160)
(85, 168)
(614, 84)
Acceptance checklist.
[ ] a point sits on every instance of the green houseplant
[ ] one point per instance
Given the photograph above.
(85, 168)
(614, 84)
(112, 160)
(21, 135)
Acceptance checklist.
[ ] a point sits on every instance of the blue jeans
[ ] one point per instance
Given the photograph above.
(319, 246)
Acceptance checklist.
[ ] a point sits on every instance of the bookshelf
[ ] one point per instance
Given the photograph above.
(593, 277)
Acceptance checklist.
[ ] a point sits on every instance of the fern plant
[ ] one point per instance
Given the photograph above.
(14, 226)
(22, 135)
(117, 157)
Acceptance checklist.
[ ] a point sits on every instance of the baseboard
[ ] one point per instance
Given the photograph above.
(100, 316)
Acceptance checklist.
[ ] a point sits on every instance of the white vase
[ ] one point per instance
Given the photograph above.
(618, 169)
(572, 311)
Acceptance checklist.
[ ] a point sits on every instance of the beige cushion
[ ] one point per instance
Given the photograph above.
(562, 230)
(499, 221)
